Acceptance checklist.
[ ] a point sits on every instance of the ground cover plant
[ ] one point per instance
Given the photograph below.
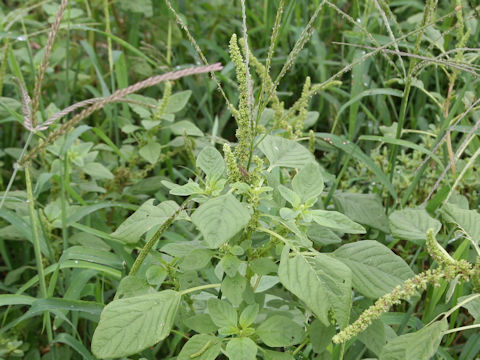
(239, 180)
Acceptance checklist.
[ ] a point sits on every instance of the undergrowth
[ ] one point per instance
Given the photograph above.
(242, 180)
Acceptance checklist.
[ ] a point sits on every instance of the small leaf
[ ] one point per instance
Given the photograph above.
(467, 220)
(97, 171)
(222, 313)
(177, 101)
(412, 225)
(263, 266)
(280, 331)
(201, 347)
(211, 162)
(284, 152)
(219, 219)
(196, 260)
(156, 275)
(420, 345)
(320, 335)
(151, 152)
(230, 264)
(241, 349)
(185, 127)
(376, 270)
(145, 218)
(308, 183)
(289, 195)
(201, 323)
(233, 288)
(130, 325)
(248, 315)
(337, 221)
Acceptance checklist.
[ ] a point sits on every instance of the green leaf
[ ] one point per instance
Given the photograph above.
(248, 315)
(13, 299)
(233, 288)
(219, 219)
(211, 162)
(177, 101)
(365, 209)
(145, 218)
(230, 264)
(284, 152)
(473, 306)
(201, 347)
(196, 260)
(420, 345)
(263, 266)
(185, 127)
(222, 313)
(151, 152)
(201, 323)
(376, 270)
(92, 255)
(280, 331)
(467, 220)
(308, 183)
(143, 7)
(97, 171)
(187, 189)
(131, 286)
(321, 282)
(412, 225)
(289, 195)
(156, 274)
(241, 349)
(337, 221)
(130, 325)
(320, 335)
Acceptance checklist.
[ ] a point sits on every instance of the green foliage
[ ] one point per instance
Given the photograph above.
(242, 215)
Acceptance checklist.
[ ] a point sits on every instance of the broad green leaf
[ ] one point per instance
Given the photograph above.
(321, 235)
(284, 152)
(337, 221)
(473, 306)
(241, 349)
(365, 209)
(130, 325)
(420, 345)
(320, 335)
(187, 189)
(467, 220)
(145, 218)
(97, 171)
(308, 183)
(263, 266)
(201, 347)
(177, 101)
(131, 286)
(412, 225)
(374, 337)
(185, 127)
(156, 274)
(196, 260)
(222, 313)
(201, 323)
(321, 282)
(289, 195)
(376, 270)
(233, 288)
(211, 162)
(151, 152)
(280, 331)
(248, 315)
(219, 219)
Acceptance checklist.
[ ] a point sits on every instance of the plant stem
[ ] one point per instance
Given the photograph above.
(36, 246)
(201, 287)
(149, 245)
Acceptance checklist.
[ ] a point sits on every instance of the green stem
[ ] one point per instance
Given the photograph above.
(201, 287)
(149, 245)
(36, 246)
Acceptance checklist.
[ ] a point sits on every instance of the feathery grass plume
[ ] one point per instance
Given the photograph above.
(117, 96)
(3, 65)
(247, 68)
(242, 116)
(163, 103)
(44, 63)
(447, 271)
(232, 168)
(302, 108)
(26, 106)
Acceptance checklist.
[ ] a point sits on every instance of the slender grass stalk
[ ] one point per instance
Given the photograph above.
(153, 240)
(36, 246)
(201, 287)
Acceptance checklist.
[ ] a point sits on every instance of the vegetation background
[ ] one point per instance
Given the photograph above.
(383, 94)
